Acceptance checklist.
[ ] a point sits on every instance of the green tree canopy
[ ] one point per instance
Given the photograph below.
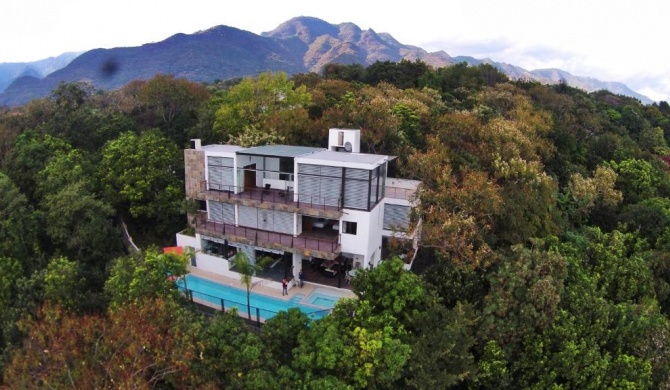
(18, 228)
(147, 274)
(143, 175)
(254, 102)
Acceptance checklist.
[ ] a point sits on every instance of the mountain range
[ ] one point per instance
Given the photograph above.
(302, 44)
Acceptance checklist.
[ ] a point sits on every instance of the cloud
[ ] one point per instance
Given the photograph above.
(652, 81)
(655, 86)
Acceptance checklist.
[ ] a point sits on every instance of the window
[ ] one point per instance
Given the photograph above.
(202, 205)
(350, 227)
(286, 168)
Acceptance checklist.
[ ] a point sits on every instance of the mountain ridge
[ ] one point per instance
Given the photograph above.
(10, 71)
(301, 44)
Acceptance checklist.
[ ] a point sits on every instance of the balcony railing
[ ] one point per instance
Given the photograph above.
(400, 193)
(273, 195)
(303, 241)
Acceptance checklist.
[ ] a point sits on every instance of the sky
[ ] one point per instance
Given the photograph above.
(612, 40)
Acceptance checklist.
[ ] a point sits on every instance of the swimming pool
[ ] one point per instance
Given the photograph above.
(227, 297)
(323, 298)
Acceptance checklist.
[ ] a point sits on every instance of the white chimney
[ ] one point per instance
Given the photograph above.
(344, 140)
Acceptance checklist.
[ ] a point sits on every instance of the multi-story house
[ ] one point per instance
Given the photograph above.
(329, 209)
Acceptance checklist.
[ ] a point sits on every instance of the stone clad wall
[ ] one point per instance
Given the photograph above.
(194, 165)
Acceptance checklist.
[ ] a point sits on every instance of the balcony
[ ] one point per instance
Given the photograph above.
(315, 244)
(254, 196)
(401, 189)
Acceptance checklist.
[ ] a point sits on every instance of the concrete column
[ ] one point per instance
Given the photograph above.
(297, 265)
(250, 252)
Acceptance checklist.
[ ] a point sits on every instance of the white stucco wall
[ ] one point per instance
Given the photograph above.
(211, 263)
(368, 239)
(184, 240)
(244, 160)
(353, 136)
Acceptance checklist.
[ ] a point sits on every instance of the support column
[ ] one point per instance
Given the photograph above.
(250, 252)
(297, 265)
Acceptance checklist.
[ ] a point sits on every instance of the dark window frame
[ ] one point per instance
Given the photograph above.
(350, 227)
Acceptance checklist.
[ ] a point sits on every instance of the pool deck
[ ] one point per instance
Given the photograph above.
(306, 290)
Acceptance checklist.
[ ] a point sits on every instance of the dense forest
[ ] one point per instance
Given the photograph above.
(544, 261)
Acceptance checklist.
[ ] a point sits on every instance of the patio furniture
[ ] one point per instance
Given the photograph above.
(319, 223)
(330, 272)
(328, 263)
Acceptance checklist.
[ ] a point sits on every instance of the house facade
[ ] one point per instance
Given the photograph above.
(330, 208)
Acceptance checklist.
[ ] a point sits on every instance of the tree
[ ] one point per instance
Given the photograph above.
(587, 193)
(459, 81)
(252, 102)
(637, 179)
(170, 104)
(144, 175)
(75, 117)
(653, 140)
(147, 274)
(63, 283)
(440, 339)
(649, 218)
(457, 210)
(11, 271)
(280, 334)
(29, 156)
(441, 345)
(524, 298)
(18, 228)
(529, 207)
(82, 225)
(71, 96)
(617, 262)
(404, 74)
(351, 72)
(247, 269)
(63, 168)
(233, 356)
(390, 289)
(351, 347)
(147, 344)
(252, 136)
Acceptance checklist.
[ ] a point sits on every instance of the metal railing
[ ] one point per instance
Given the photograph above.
(272, 195)
(287, 240)
(258, 314)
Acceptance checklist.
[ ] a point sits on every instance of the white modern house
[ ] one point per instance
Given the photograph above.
(330, 209)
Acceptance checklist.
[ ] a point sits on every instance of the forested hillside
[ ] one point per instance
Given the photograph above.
(544, 262)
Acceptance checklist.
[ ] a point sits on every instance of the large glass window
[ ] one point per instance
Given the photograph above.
(286, 168)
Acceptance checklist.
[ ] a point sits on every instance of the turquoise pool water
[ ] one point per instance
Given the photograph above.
(323, 298)
(268, 307)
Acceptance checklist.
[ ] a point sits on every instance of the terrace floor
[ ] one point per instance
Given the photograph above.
(315, 274)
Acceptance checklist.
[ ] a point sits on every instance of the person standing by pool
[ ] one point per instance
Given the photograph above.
(284, 287)
(301, 277)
